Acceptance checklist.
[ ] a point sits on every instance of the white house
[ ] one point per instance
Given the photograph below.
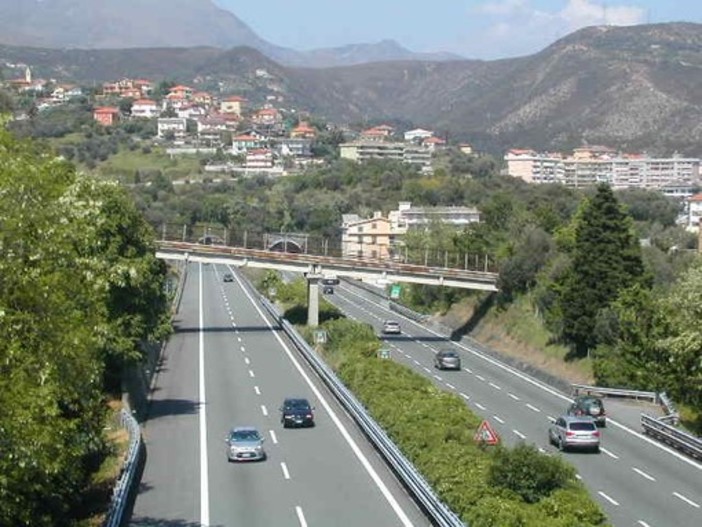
(418, 135)
(259, 158)
(145, 108)
(177, 125)
(243, 143)
(694, 212)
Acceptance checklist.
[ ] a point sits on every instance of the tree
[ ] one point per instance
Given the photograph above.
(606, 259)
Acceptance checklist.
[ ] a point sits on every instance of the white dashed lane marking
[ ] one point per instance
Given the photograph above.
(284, 468)
(643, 474)
(513, 396)
(480, 406)
(480, 378)
(519, 434)
(495, 386)
(274, 438)
(533, 408)
(499, 419)
(257, 390)
(610, 454)
(608, 498)
(247, 361)
(251, 374)
(465, 396)
(300, 516)
(467, 370)
(264, 410)
(451, 386)
(686, 500)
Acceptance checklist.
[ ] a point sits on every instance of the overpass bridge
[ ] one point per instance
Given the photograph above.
(315, 267)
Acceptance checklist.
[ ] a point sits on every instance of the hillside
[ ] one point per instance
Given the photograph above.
(633, 87)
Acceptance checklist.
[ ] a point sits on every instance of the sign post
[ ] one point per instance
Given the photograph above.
(384, 353)
(320, 336)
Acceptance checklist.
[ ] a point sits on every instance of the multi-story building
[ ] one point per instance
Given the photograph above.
(410, 153)
(145, 108)
(294, 146)
(259, 158)
(106, 115)
(382, 237)
(407, 217)
(366, 238)
(243, 143)
(694, 212)
(177, 126)
(233, 104)
(418, 135)
(592, 165)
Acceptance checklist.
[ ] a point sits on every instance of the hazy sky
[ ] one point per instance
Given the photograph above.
(485, 29)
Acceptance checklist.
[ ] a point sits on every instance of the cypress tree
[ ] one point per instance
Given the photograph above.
(606, 260)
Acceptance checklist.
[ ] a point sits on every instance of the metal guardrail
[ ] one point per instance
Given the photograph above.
(671, 412)
(120, 494)
(614, 392)
(676, 438)
(408, 474)
(409, 313)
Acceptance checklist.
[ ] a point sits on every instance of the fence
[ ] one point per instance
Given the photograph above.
(578, 389)
(424, 495)
(125, 483)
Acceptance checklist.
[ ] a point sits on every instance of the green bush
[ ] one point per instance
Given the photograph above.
(529, 473)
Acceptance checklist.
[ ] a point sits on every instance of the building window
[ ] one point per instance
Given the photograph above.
(360, 229)
(374, 225)
(374, 254)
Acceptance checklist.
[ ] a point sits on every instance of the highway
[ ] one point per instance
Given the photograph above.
(638, 481)
(227, 366)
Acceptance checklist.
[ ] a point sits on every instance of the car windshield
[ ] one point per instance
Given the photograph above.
(449, 354)
(582, 426)
(297, 404)
(244, 435)
(391, 323)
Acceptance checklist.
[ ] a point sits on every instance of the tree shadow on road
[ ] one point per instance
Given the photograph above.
(160, 522)
(170, 407)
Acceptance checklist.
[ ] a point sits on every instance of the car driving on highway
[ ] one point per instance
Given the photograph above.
(574, 432)
(589, 405)
(391, 327)
(447, 360)
(244, 443)
(296, 412)
(228, 277)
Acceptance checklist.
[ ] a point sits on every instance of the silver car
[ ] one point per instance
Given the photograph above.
(447, 360)
(569, 431)
(391, 327)
(244, 443)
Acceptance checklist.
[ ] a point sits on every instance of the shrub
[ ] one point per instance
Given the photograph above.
(529, 473)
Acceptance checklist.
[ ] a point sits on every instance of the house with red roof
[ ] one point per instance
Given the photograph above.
(145, 108)
(243, 143)
(303, 131)
(259, 158)
(106, 115)
(182, 92)
(267, 117)
(233, 104)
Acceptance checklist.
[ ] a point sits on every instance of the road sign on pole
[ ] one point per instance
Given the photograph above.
(486, 434)
(384, 353)
(320, 336)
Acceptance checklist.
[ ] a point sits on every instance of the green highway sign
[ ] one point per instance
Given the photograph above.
(395, 291)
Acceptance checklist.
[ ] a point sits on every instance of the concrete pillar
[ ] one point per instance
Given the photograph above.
(313, 300)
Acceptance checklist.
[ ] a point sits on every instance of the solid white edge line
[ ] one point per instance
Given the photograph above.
(609, 499)
(686, 500)
(528, 379)
(284, 468)
(300, 516)
(404, 519)
(204, 472)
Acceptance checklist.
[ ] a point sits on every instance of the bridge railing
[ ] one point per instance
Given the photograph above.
(328, 247)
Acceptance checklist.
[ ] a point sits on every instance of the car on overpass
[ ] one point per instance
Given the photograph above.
(244, 443)
(574, 432)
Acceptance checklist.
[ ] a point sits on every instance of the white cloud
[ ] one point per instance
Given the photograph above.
(517, 27)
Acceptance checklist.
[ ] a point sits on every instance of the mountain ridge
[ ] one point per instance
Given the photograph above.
(120, 24)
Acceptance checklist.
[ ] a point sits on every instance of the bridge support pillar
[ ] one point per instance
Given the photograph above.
(313, 300)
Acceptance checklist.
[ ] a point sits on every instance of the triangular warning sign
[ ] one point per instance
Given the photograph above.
(486, 434)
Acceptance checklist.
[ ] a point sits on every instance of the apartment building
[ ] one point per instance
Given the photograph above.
(593, 165)
(365, 238)
(694, 212)
(381, 237)
(175, 125)
(410, 153)
(407, 217)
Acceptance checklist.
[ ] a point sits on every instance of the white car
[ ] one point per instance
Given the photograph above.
(391, 327)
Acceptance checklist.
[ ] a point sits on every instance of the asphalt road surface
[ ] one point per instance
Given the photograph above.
(227, 366)
(638, 481)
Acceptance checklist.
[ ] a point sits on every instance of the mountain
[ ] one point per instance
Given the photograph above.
(628, 87)
(118, 24)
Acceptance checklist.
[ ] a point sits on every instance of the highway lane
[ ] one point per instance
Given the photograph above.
(637, 481)
(326, 475)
